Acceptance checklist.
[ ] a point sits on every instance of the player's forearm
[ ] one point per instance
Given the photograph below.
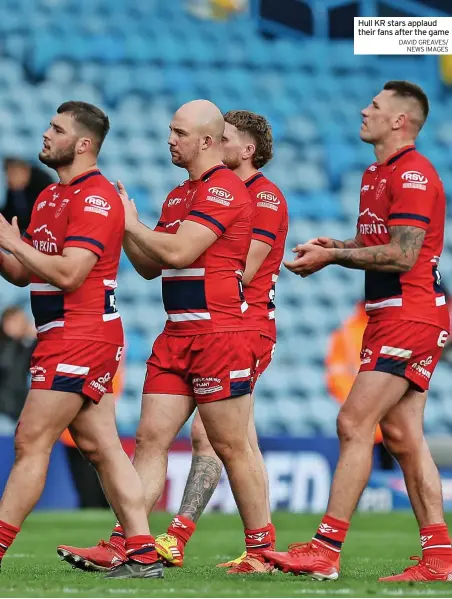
(13, 271)
(386, 258)
(348, 244)
(56, 270)
(161, 247)
(143, 264)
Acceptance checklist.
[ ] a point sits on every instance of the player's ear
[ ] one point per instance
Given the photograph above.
(249, 152)
(207, 142)
(399, 121)
(84, 144)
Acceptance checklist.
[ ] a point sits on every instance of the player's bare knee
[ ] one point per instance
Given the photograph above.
(349, 429)
(149, 441)
(396, 441)
(31, 440)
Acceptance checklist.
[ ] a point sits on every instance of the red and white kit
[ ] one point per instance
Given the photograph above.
(270, 225)
(408, 317)
(80, 335)
(208, 347)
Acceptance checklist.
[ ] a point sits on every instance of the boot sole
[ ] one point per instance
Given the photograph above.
(79, 562)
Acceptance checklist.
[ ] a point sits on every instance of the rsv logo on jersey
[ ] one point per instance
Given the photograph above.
(267, 199)
(220, 196)
(414, 180)
(98, 205)
(46, 246)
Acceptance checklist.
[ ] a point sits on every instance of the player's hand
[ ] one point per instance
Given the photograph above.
(310, 259)
(325, 242)
(131, 212)
(9, 233)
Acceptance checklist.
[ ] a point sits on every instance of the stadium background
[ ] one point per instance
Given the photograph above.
(291, 61)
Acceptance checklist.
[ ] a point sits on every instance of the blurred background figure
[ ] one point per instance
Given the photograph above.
(24, 182)
(17, 340)
(216, 9)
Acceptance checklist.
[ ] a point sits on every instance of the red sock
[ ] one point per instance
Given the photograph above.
(7, 535)
(117, 537)
(332, 532)
(182, 528)
(272, 528)
(141, 549)
(258, 541)
(435, 540)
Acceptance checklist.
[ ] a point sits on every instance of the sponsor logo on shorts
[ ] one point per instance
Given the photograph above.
(98, 205)
(99, 385)
(421, 367)
(366, 356)
(206, 385)
(38, 374)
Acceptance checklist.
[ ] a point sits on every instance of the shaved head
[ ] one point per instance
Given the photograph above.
(196, 131)
(202, 115)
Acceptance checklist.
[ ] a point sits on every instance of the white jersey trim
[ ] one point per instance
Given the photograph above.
(112, 316)
(50, 325)
(183, 272)
(441, 300)
(239, 374)
(43, 287)
(387, 303)
(271, 315)
(397, 352)
(186, 316)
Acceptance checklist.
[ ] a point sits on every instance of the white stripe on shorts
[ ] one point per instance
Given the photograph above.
(72, 369)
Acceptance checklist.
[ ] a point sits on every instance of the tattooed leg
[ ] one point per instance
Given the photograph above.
(204, 474)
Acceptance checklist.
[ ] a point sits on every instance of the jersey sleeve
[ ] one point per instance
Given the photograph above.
(268, 214)
(414, 193)
(217, 207)
(160, 226)
(93, 220)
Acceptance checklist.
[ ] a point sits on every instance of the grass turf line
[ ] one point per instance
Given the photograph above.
(377, 545)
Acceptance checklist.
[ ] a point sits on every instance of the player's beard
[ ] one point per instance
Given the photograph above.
(64, 157)
(232, 161)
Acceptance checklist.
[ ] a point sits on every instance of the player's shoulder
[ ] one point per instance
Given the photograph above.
(370, 169)
(99, 185)
(415, 168)
(264, 190)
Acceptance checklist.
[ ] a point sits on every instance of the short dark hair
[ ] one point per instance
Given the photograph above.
(89, 117)
(407, 89)
(259, 129)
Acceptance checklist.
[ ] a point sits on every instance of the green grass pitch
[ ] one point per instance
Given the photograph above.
(377, 545)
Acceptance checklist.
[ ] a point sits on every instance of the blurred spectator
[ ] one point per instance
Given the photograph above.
(86, 481)
(17, 341)
(24, 183)
(343, 362)
(216, 9)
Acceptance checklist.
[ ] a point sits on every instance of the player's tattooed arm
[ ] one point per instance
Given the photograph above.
(202, 481)
(399, 255)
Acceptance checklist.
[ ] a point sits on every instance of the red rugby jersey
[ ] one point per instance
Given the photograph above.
(405, 190)
(269, 224)
(207, 296)
(86, 213)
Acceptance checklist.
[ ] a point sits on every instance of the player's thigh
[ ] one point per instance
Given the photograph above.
(372, 395)
(199, 438)
(402, 427)
(45, 415)
(162, 417)
(226, 422)
(94, 428)
(252, 432)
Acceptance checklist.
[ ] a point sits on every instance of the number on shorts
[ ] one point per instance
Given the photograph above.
(119, 354)
(442, 338)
